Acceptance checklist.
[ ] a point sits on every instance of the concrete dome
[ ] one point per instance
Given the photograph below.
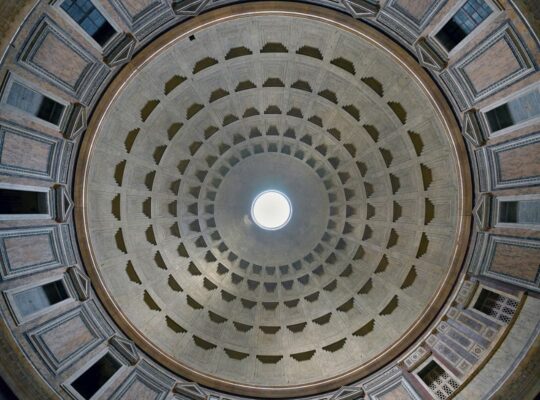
(135, 136)
(361, 147)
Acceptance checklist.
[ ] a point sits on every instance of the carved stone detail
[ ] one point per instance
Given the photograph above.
(74, 123)
(361, 8)
(482, 211)
(349, 393)
(475, 90)
(466, 293)
(121, 52)
(416, 358)
(64, 203)
(191, 390)
(428, 57)
(126, 348)
(189, 7)
(472, 130)
(80, 282)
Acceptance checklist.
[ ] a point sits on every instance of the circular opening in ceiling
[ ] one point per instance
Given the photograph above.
(271, 210)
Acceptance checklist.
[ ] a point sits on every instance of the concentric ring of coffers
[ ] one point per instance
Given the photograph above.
(307, 96)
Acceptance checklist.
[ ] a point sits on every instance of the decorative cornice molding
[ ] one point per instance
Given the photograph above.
(361, 8)
(349, 393)
(428, 57)
(63, 203)
(482, 212)
(80, 282)
(191, 390)
(74, 123)
(126, 348)
(121, 52)
(189, 7)
(472, 130)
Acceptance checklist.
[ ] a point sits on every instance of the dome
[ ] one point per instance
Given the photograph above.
(270, 200)
(362, 150)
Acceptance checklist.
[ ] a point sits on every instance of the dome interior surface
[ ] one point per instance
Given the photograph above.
(285, 103)
(134, 263)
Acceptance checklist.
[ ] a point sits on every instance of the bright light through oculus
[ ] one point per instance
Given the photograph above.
(271, 210)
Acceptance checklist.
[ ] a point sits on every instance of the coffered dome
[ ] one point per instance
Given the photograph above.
(323, 114)
(229, 200)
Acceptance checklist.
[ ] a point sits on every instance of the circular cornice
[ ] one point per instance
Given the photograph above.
(345, 23)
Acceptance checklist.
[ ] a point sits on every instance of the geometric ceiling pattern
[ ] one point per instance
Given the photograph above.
(286, 103)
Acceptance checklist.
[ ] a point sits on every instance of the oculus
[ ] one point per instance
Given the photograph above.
(271, 210)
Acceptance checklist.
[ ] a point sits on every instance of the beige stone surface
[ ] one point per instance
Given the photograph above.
(493, 65)
(136, 6)
(140, 391)
(28, 250)
(51, 51)
(417, 8)
(519, 262)
(246, 105)
(68, 337)
(398, 393)
(520, 162)
(16, 148)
